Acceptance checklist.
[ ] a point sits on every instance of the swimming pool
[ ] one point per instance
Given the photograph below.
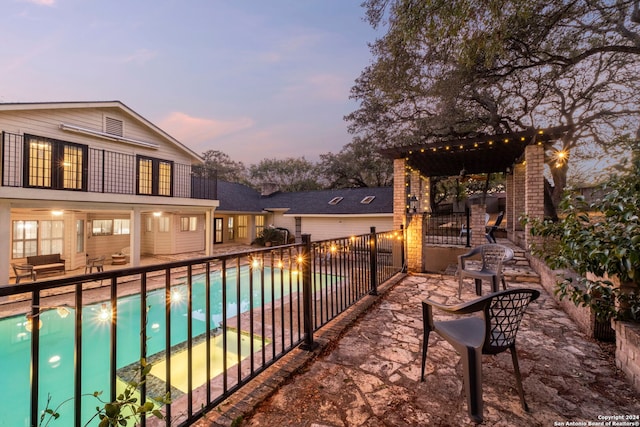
(57, 337)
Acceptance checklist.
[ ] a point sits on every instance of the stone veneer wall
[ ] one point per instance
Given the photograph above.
(627, 334)
(628, 350)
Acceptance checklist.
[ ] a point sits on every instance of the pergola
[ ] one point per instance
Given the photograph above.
(481, 154)
(518, 154)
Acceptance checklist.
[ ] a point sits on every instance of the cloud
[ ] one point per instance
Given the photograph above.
(319, 87)
(195, 131)
(140, 56)
(329, 86)
(41, 2)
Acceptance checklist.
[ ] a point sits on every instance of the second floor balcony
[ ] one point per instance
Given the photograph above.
(30, 161)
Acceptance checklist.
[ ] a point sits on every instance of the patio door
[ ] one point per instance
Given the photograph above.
(217, 230)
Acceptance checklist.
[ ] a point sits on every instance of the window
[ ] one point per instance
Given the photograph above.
(145, 176)
(102, 227)
(230, 228)
(259, 224)
(55, 164)
(80, 236)
(25, 239)
(51, 237)
(164, 179)
(149, 226)
(155, 177)
(218, 229)
(163, 224)
(72, 168)
(108, 227)
(335, 200)
(188, 223)
(121, 226)
(367, 200)
(243, 223)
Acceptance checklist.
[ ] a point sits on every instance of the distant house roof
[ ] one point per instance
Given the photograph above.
(235, 197)
(347, 201)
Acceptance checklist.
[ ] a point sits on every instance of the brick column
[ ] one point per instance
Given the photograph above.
(534, 187)
(478, 225)
(399, 193)
(510, 205)
(415, 242)
(518, 197)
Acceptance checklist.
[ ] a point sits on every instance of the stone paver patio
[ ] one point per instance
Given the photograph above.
(366, 372)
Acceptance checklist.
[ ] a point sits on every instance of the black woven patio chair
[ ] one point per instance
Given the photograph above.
(472, 336)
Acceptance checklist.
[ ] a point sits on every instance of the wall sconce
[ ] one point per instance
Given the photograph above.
(62, 311)
(413, 203)
(157, 214)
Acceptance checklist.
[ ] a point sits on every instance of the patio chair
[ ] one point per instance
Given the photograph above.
(492, 256)
(97, 263)
(472, 336)
(23, 270)
(492, 228)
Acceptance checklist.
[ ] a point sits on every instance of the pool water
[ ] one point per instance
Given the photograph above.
(57, 343)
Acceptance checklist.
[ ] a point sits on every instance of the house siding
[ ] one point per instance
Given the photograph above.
(46, 123)
(190, 241)
(328, 228)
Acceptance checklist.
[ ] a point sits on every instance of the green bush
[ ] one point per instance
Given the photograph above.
(271, 236)
(603, 238)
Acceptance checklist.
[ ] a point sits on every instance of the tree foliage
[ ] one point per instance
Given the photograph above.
(603, 238)
(217, 163)
(358, 164)
(451, 69)
(290, 174)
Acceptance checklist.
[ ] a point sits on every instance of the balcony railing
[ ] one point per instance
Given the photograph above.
(108, 172)
(207, 325)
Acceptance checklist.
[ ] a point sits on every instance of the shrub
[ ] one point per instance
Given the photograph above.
(602, 238)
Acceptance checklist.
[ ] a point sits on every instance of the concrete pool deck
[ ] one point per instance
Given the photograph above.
(366, 371)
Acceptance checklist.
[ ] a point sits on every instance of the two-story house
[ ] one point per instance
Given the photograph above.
(93, 178)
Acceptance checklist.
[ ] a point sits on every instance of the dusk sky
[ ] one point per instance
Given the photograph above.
(252, 78)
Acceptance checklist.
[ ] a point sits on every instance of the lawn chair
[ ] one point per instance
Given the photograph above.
(24, 271)
(97, 263)
(492, 229)
(474, 336)
(493, 257)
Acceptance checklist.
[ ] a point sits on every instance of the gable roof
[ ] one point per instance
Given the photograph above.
(241, 198)
(317, 202)
(100, 104)
(235, 197)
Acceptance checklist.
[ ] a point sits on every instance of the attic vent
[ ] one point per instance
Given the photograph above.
(367, 200)
(335, 200)
(113, 126)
